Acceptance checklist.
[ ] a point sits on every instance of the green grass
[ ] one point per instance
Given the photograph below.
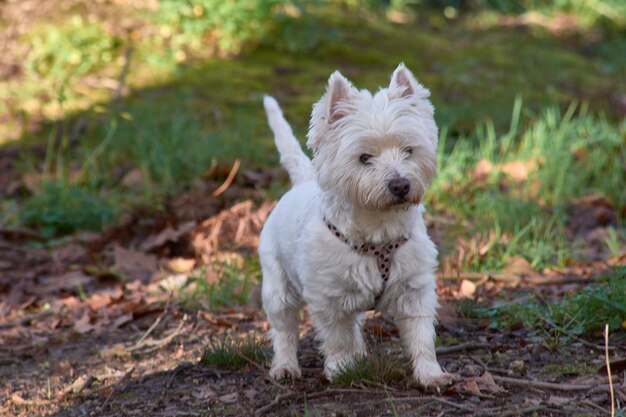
(231, 289)
(61, 208)
(196, 81)
(377, 367)
(566, 156)
(231, 353)
(576, 315)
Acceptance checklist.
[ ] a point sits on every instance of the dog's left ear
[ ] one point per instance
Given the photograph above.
(404, 84)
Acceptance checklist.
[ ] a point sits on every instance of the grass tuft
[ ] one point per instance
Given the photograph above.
(232, 287)
(603, 302)
(231, 353)
(62, 208)
(379, 367)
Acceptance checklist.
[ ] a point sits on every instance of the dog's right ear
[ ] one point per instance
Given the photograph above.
(338, 91)
(333, 106)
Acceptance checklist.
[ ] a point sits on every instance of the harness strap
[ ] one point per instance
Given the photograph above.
(383, 253)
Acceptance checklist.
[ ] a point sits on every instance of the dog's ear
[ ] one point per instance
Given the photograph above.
(339, 92)
(404, 84)
(334, 105)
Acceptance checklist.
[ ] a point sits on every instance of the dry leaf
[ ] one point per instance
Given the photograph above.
(230, 398)
(482, 170)
(83, 324)
(133, 178)
(97, 301)
(518, 170)
(517, 265)
(69, 281)
(123, 319)
(180, 265)
(486, 383)
(203, 392)
(136, 265)
(468, 288)
(169, 234)
(470, 387)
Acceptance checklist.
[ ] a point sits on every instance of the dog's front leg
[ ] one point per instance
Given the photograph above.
(415, 318)
(341, 337)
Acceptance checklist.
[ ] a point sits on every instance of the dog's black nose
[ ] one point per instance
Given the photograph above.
(399, 186)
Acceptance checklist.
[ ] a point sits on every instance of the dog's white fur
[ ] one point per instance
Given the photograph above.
(303, 262)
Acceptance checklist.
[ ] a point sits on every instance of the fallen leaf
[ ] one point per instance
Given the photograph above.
(69, 282)
(180, 265)
(486, 383)
(123, 319)
(135, 264)
(470, 387)
(518, 170)
(204, 393)
(133, 178)
(117, 349)
(558, 401)
(98, 301)
(169, 234)
(518, 265)
(482, 170)
(83, 324)
(468, 288)
(230, 398)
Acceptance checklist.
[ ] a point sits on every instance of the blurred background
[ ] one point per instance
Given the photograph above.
(109, 106)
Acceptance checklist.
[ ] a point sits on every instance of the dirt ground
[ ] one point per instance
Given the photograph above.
(92, 326)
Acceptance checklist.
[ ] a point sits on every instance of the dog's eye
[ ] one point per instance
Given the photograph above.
(364, 158)
(408, 151)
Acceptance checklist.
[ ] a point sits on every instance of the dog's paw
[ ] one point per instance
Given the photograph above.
(429, 374)
(285, 371)
(435, 380)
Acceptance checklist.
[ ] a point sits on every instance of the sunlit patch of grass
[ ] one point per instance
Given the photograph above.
(226, 352)
(377, 367)
(514, 188)
(584, 312)
(231, 289)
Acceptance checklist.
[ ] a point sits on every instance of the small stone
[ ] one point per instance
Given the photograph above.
(517, 365)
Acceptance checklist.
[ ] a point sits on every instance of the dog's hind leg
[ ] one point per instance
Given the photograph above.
(282, 306)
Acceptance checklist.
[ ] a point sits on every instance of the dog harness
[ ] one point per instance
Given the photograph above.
(383, 253)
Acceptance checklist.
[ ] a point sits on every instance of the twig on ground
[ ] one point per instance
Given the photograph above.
(521, 411)
(541, 384)
(463, 346)
(477, 276)
(595, 406)
(608, 368)
(78, 386)
(279, 398)
(229, 179)
(123, 380)
(450, 403)
(155, 324)
(153, 345)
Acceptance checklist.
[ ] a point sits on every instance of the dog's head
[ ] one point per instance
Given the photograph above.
(375, 151)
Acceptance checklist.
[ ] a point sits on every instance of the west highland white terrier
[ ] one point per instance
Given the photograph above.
(349, 236)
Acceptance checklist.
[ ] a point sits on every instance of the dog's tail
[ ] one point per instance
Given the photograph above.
(297, 164)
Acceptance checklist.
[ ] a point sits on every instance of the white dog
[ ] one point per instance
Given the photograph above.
(349, 236)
